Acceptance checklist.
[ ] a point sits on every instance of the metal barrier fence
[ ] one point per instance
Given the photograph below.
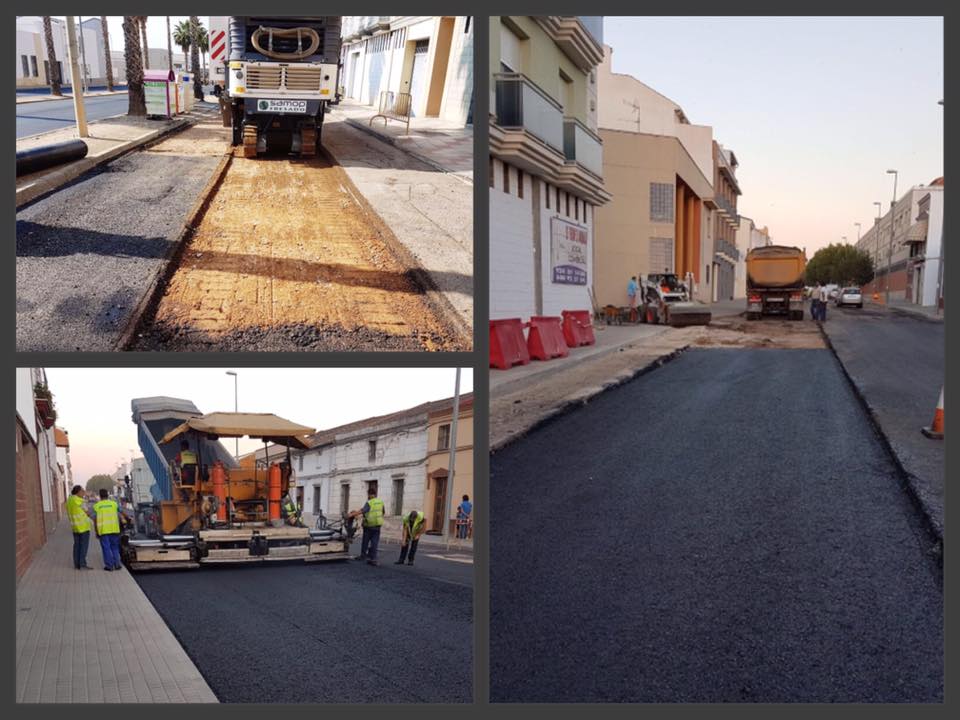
(394, 106)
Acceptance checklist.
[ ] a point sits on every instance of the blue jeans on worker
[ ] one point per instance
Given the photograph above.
(815, 309)
(110, 546)
(370, 542)
(81, 542)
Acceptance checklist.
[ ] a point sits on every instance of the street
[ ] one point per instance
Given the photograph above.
(334, 632)
(34, 118)
(726, 528)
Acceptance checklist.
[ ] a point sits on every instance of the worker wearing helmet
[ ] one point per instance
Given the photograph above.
(187, 463)
(372, 513)
(413, 527)
(108, 530)
(291, 511)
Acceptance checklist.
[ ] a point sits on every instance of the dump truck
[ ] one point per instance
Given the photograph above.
(666, 300)
(280, 76)
(775, 281)
(216, 510)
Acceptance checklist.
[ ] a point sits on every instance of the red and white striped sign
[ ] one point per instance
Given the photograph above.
(217, 44)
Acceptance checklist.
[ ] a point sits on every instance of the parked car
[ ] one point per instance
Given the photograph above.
(850, 296)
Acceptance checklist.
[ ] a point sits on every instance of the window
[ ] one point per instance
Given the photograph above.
(372, 486)
(506, 178)
(492, 166)
(547, 196)
(317, 456)
(576, 208)
(707, 273)
(371, 450)
(344, 499)
(25, 65)
(300, 463)
(661, 254)
(466, 25)
(443, 437)
(661, 202)
(520, 183)
(33, 65)
(316, 499)
(566, 197)
(397, 500)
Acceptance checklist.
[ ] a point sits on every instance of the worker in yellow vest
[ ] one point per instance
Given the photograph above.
(372, 513)
(187, 462)
(291, 511)
(414, 526)
(80, 524)
(108, 530)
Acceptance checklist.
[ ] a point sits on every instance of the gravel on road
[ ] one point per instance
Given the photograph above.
(727, 528)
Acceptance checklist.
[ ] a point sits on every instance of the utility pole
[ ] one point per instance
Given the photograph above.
(236, 447)
(453, 456)
(893, 212)
(876, 262)
(78, 109)
(83, 57)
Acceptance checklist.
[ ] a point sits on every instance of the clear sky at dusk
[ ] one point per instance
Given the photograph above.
(93, 405)
(815, 109)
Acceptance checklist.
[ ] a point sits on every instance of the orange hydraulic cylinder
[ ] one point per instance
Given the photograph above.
(273, 492)
(219, 477)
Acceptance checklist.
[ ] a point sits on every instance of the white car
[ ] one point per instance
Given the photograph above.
(850, 296)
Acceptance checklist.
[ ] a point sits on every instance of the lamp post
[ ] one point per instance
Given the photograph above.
(876, 262)
(236, 447)
(893, 209)
(453, 461)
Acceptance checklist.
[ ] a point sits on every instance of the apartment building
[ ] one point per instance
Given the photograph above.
(439, 496)
(33, 68)
(430, 58)
(659, 168)
(546, 163)
(724, 222)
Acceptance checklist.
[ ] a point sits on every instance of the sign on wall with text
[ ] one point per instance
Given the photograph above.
(568, 252)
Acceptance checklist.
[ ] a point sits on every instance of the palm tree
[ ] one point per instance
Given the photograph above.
(54, 71)
(137, 103)
(203, 42)
(195, 57)
(106, 51)
(143, 35)
(183, 37)
(169, 47)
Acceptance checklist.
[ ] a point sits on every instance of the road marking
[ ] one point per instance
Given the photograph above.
(468, 561)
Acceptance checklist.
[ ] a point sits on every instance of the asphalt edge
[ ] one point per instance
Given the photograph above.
(65, 176)
(162, 274)
(907, 479)
(573, 403)
(418, 275)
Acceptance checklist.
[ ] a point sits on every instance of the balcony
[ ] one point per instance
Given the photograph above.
(727, 209)
(572, 36)
(521, 105)
(726, 249)
(583, 147)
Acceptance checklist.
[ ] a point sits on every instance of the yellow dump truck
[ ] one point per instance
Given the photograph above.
(775, 282)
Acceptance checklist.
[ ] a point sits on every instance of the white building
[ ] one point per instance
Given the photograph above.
(431, 58)
(158, 61)
(32, 65)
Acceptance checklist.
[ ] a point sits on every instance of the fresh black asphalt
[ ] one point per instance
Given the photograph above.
(333, 632)
(727, 528)
(34, 118)
(87, 252)
(898, 364)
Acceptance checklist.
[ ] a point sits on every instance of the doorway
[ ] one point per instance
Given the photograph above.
(344, 499)
(418, 73)
(316, 499)
(439, 504)
(441, 59)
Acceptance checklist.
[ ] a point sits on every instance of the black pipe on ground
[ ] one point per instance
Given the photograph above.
(47, 156)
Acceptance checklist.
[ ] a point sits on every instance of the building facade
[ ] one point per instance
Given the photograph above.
(908, 260)
(546, 163)
(32, 66)
(430, 58)
(724, 222)
(659, 168)
(439, 496)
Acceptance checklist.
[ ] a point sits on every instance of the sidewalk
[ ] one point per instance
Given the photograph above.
(432, 140)
(91, 636)
(902, 307)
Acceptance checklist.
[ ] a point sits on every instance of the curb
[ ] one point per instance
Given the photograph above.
(163, 273)
(907, 479)
(57, 179)
(578, 401)
(390, 140)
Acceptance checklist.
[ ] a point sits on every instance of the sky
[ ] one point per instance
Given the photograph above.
(815, 109)
(93, 404)
(156, 29)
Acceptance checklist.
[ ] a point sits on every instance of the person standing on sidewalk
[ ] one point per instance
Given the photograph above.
(413, 527)
(372, 513)
(108, 530)
(815, 303)
(632, 288)
(464, 509)
(80, 524)
(824, 299)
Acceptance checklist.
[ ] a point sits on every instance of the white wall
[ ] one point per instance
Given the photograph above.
(511, 247)
(458, 85)
(934, 247)
(559, 297)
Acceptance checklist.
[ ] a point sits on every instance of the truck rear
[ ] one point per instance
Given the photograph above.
(775, 282)
(281, 76)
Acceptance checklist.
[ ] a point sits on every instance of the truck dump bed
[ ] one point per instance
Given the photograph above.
(775, 266)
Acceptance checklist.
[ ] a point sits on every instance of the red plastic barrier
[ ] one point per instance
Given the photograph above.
(507, 344)
(545, 339)
(577, 328)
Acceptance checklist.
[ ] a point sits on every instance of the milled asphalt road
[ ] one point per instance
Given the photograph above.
(899, 365)
(86, 253)
(34, 118)
(333, 632)
(726, 528)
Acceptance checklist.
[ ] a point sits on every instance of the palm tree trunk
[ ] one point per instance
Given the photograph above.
(143, 35)
(195, 58)
(137, 104)
(51, 57)
(169, 46)
(106, 51)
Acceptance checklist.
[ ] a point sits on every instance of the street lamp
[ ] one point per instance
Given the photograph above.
(893, 208)
(236, 447)
(876, 228)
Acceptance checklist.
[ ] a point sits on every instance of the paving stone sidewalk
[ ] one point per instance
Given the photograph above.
(93, 636)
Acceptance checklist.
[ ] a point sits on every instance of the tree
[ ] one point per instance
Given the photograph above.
(183, 37)
(106, 51)
(203, 42)
(137, 102)
(54, 71)
(169, 47)
(840, 264)
(142, 19)
(96, 482)
(195, 57)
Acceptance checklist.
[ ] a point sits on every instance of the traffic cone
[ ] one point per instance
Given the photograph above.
(935, 431)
